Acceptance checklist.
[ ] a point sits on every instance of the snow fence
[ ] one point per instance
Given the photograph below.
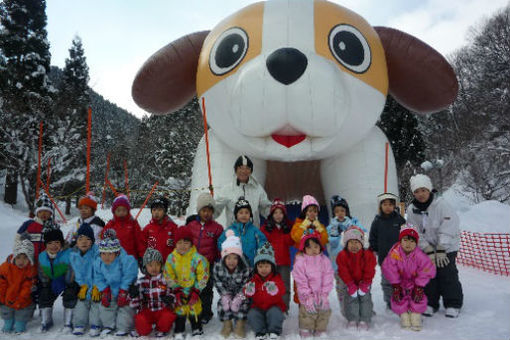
(489, 252)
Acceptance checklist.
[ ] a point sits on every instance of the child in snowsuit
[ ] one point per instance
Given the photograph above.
(152, 297)
(55, 278)
(186, 272)
(126, 228)
(277, 231)
(308, 221)
(408, 269)
(314, 278)
(206, 233)
(438, 225)
(17, 281)
(251, 237)
(266, 290)
(340, 221)
(230, 276)
(356, 269)
(114, 272)
(87, 206)
(384, 233)
(81, 259)
(159, 233)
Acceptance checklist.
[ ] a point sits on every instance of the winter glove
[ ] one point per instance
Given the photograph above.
(179, 297)
(271, 288)
(309, 305)
(133, 291)
(106, 297)
(352, 289)
(417, 294)
(431, 253)
(441, 259)
(226, 301)
(82, 294)
(70, 292)
(305, 224)
(249, 289)
(398, 293)
(194, 297)
(324, 302)
(237, 302)
(96, 294)
(364, 288)
(122, 298)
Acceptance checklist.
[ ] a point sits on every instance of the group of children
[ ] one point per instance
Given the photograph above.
(97, 270)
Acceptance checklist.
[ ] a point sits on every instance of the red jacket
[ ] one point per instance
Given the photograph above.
(281, 243)
(356, 267)
(262, 299)
(16, 284)
(205, 238)
(160, 236)
(34, 230)
(129, 234)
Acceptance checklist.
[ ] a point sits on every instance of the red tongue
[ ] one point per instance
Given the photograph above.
(288, 141)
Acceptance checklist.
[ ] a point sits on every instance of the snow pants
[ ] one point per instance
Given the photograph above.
(23, 315)
(387, 290)
(357, 308)
(164, 319)
(284, 272)
(266, 321)
(314, 321)
(86, 312)
(339, 287)
(180, 323)
(206, 296)
(446, 284)
(114, 317)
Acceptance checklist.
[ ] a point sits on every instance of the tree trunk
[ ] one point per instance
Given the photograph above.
(11, 187)
(68, 205)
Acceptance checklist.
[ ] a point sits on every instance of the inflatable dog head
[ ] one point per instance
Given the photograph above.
(295, 80)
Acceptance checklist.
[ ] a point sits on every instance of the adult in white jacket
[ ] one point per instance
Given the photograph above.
(245, 185)
(438, 225)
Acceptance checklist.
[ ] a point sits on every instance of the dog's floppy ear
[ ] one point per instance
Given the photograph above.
(166, 82)
(420, 78)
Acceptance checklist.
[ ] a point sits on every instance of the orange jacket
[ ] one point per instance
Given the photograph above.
(16, 284)
(297, 232)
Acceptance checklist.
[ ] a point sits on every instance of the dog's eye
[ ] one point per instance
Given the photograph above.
(350, 48)
(228, 51)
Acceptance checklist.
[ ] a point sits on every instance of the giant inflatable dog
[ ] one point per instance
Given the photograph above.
(298, 86)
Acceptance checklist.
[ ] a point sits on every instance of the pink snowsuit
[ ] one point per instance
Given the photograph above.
(408, 271)
(314, 276)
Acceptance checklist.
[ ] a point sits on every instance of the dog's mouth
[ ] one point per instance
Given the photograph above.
(288, 136)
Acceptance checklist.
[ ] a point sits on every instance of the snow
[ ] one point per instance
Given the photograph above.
(485, 313)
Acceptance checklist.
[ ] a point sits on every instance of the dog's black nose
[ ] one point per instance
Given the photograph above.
(286, 65)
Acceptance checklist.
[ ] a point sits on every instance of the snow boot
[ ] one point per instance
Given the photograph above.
(239, 330)
(94, 331)
(416, 321)
(46, 319)
(78, 330)
(363, 326)
(452, 312)
(305, 334)
(227, 328)
(260, 336)
(351, 325)
(68, 318)
(273, 336)
(429, 311)
(405, 320)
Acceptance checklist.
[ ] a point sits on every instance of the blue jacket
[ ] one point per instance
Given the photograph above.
(251, 239)
(118, 275)
(83, 266)
(55, 272)
(335, 230)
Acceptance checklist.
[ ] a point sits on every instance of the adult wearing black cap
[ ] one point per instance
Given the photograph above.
(242, 185)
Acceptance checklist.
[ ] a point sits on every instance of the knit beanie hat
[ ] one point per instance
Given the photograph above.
(86, 230)
(88, 200)
(408, 230)
(231, 245)
(205, 200)
(110, 243)
(265, 253)
(338, 201)
(353, 233)
(420, 181)
(160, 202)
(306, 236)
(183, 233)
(242, 203)
(121, 201)
(243, 160)
(53, 235)
(278, 204)
(43, 203)
(151, 255)
(387, 196)
(24, 247)
(309, 200)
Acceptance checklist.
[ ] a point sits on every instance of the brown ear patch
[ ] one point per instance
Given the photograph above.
(166, 81)
(420, 78)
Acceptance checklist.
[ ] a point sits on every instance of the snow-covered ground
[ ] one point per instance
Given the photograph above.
(485, 315)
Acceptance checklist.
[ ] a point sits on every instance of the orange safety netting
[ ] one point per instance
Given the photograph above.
(489, 252)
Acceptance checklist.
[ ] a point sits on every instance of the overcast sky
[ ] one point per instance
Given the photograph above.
(119, 35)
